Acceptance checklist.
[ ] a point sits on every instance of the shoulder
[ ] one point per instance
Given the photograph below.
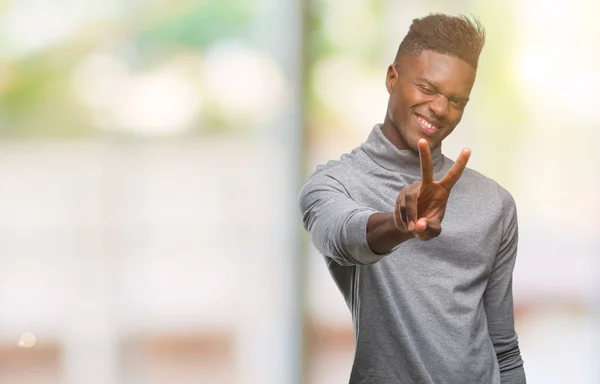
(343, 170)
(331, 180)
(476, 185)
(489, 188)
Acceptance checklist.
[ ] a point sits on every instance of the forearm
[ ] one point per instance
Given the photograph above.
(502, 333)
(382, 233)
(514, 376)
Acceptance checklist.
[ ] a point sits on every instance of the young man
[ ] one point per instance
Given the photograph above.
(428, 305)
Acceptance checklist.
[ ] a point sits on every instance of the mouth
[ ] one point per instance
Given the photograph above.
(427, 128)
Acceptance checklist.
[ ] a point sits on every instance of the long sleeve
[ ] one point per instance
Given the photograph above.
(337, 224)
(498, 299)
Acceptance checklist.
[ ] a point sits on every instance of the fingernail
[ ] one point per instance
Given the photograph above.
(411, 226)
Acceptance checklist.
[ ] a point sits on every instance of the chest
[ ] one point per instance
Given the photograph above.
(471, 228)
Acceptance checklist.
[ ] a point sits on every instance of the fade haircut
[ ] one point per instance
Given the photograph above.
(449, 35)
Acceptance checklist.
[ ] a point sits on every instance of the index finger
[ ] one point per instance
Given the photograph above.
(456, 170)
(426, 162)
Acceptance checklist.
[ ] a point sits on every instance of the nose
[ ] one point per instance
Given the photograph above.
(439, 106)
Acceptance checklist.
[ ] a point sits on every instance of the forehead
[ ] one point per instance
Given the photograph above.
(444, 71)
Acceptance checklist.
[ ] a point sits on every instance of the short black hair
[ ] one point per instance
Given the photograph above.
(456, 36)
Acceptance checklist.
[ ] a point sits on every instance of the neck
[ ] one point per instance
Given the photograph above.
(391, 133)
(387, 155)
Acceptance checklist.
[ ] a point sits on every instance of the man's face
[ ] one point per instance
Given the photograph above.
(428, 94)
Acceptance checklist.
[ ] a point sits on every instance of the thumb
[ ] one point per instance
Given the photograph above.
(421, 225)
(430, 228)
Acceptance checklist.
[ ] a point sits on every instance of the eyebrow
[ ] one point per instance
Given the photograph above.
(437, 90)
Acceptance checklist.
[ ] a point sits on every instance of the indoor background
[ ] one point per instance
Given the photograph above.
(151, 152)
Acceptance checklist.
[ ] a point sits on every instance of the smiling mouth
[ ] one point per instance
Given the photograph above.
(426, 127)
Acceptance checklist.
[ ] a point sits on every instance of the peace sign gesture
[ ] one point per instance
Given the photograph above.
(420, 207)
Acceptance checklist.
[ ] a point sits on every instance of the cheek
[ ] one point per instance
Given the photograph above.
(404, 101)
(395, 107)
(455, 117)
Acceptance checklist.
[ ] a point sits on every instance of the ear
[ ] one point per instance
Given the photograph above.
(391, 78)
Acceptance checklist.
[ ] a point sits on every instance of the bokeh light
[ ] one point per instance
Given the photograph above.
(151, 150)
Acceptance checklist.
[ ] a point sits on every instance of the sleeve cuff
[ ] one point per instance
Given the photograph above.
(356, 231)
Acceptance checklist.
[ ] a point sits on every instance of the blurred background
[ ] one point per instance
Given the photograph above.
(151, 152)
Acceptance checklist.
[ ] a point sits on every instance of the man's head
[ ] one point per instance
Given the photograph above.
(431, 79)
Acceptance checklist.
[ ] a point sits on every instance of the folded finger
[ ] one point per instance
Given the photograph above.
(411, 210)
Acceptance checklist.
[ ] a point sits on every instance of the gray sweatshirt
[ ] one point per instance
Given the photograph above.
(437, 311)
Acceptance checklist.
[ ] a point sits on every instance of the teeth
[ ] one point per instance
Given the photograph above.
(427, 123)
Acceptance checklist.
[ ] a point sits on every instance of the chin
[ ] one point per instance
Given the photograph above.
(416, 138)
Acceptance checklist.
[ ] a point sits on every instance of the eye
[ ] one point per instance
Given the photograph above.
(458, 104)
(425, 90)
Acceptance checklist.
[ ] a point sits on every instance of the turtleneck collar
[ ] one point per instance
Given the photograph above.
(406, 161)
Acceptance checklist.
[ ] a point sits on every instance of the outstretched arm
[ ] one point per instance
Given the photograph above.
(352, 234)
(339, 227)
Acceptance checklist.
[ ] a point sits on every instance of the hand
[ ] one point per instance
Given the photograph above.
(420, 207)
